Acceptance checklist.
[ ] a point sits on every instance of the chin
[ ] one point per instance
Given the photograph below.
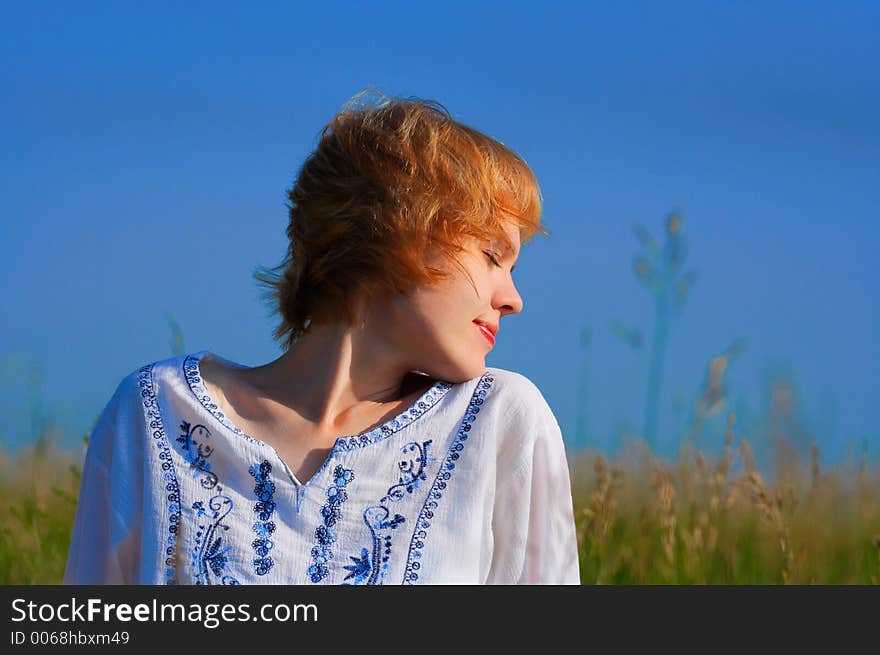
(467, 372)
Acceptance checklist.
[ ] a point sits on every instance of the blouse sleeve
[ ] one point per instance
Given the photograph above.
(533, 522)
(105, 541)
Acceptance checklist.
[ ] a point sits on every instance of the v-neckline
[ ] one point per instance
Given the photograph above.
(193, 376)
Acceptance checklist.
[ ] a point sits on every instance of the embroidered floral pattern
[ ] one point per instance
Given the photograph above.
(172, 489)
(196, 446)
(209, 553)
(410, 475)
(417, 543)
(371, 567)
(264, 507)
(325, 535)
(365, 568)
(209, 556)
(361, 568)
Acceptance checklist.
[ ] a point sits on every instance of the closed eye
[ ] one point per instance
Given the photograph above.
(492, 258)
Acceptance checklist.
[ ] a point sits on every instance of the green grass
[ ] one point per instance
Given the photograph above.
(39, 488)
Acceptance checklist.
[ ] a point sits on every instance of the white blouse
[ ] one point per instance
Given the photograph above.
(470, 485)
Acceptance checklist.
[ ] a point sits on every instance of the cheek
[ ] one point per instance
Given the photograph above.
(435, 322)
(443, 301)
(440, 312)
(417, 315)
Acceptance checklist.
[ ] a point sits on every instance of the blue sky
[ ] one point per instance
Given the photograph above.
(147, 148)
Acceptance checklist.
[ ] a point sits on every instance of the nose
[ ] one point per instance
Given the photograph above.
(508, 300)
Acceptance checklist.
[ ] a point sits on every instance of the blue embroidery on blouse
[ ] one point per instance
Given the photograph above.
(370, 568)
(194, 441)
(264, 507)
(426, 402)
(324, 534)
(172, 489)
(417, 543)
(410, 476)
(209, 553)
(361, 567)
(365, 568)
(192, 373)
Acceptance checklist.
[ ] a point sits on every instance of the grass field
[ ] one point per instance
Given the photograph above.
(693, 521)
(639, 520)
(39, 487)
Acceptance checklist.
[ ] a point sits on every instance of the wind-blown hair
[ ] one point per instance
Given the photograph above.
(390, 184)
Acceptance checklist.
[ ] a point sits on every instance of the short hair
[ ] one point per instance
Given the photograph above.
(389, 181)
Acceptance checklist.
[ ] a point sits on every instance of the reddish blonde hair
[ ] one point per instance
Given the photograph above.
(388, 184)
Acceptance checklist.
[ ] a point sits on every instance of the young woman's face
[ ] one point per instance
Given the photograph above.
(435, 327)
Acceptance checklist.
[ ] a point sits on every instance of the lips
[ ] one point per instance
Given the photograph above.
(486, 331)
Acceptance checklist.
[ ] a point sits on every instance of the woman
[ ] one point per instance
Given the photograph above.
(404, 229)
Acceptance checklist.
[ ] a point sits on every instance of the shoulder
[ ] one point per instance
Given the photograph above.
(523, 418)
(136, 392)
(149, 378)
(522, 398)
(125, 425)
(165, 365)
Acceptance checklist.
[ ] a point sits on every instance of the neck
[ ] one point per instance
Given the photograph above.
(333, 374)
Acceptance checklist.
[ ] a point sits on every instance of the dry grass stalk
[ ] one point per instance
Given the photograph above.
(598, 517)
(664, 495)
(599, 512)
(719, 480)
(770, 509)
(747, 456)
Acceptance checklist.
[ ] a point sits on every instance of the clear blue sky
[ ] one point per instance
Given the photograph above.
(147, 147)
